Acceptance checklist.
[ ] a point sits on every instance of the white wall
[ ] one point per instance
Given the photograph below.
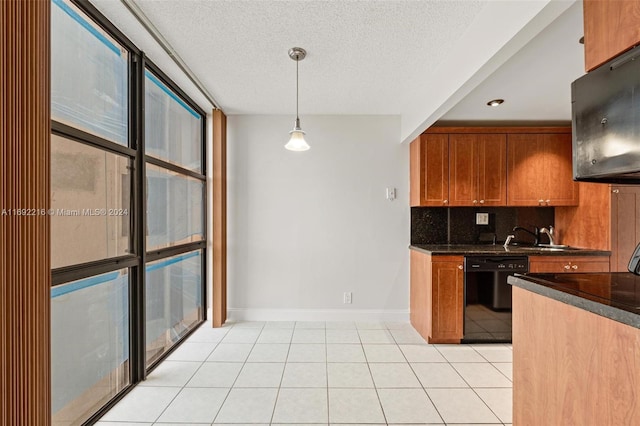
(305, 227)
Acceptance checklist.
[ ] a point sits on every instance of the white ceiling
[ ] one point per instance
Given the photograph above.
(535, 82)
(411, 58)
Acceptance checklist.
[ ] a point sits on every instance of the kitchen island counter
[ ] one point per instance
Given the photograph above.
(576, 349)
(611, 295)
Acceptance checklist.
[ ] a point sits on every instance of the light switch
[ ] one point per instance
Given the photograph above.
(482, 218)
(391, 194)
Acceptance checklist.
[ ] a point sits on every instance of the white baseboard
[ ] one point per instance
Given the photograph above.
(244, 314)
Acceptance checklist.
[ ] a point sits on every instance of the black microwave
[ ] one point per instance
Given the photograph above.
(606, 122)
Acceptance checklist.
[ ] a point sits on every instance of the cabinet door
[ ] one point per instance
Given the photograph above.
(447, 301)
(526, 177)
(429, 171)
(562, 190)
(477, 166)
(436, 170)
(610, 28)
(463, 168)
(436, 160)
(625, 229)
(492, 170)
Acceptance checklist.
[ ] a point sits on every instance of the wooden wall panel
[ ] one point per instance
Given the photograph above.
(572, 367)
(219, 305)
(420, 293)
(588, 224)
(625, 224)
(416, 172)
(24, 184)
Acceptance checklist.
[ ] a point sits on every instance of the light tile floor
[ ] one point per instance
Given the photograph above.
(317, 373)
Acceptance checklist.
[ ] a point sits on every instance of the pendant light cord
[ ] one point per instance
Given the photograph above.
(297, 61)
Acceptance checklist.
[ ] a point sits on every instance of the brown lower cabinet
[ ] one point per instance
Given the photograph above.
(437, 297)
(572, 367)
(437, 289)
(561, 264)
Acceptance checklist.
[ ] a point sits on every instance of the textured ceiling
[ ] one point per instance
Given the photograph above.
(413, 58)
(364, 57)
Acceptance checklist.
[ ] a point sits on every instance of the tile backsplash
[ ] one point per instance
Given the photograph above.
(457, 225)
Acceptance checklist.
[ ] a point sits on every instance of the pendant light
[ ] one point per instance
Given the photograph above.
(297, 142)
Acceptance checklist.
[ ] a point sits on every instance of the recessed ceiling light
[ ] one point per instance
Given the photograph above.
(495, 102)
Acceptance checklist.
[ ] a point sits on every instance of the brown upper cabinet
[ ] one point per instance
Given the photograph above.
(492, 166)
(477, 170)
(429, 170)
(539, 170)
(610, 28)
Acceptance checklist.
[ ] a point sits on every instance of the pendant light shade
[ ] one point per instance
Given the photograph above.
(296, 141)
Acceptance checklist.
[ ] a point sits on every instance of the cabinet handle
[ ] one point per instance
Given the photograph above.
(540, 202)
(481, 201)
(475, 201)
(459, 266)
(445, 201)
(574, 267)
(547, 202)
(567, 267)
(615, 191)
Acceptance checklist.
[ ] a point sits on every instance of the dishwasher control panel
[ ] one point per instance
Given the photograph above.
(496, 263)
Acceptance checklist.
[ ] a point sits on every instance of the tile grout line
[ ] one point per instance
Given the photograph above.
(239, 372)
(205, 360)
(375, 387)
(183, 386)
(284, 369)
(471, 387)
(326, 369)
(419, 381)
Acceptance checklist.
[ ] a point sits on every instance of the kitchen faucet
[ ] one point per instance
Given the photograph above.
(549, 233)
(535, 233)
(508, 240)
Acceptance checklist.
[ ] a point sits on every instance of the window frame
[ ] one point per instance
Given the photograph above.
(135, 150)
(165, 252)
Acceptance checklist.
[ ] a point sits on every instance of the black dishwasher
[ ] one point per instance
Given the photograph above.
(487, 297)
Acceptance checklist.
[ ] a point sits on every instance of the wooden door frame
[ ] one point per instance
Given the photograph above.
(219, 272)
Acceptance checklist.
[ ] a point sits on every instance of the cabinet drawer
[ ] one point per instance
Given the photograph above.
(560, 264)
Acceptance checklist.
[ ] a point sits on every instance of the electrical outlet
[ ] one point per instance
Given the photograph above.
(346, 298)
(482, 218)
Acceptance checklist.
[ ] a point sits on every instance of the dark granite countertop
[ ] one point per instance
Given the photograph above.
(613, 295)
(488, 249)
